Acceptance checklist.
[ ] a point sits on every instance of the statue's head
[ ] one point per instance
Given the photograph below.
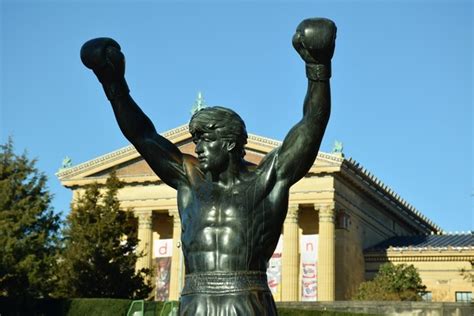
(223, 124)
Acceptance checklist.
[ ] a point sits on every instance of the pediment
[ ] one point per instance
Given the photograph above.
(131, 167)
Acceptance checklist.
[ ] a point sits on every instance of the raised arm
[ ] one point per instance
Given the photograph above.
(314, 40)
(104, 57)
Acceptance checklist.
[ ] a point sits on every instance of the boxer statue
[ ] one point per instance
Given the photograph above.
(231, 211)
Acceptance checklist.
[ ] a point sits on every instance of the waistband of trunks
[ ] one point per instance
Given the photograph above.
(225, 282)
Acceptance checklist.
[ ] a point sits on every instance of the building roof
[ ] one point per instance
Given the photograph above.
(424, 242)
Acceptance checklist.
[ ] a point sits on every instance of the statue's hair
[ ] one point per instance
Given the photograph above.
(227, 124)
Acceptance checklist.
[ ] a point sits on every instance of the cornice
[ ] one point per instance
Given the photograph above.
(182, 130)
(128, 151)
(119, 154)
(406, 254)
(175, 135)
(409, 258)
(271, 143)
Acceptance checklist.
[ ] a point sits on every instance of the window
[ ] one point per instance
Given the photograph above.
(343, 220)
(463, 296)
(426, 296)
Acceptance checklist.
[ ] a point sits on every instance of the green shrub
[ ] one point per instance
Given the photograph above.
(115, 307)
(64, 307)
(307, 312)
(399, 282)
(98, 307)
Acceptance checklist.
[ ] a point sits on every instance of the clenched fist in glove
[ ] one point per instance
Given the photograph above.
(315, 40)
(104, 57)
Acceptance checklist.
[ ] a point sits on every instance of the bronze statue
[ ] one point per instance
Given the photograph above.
(231, 211)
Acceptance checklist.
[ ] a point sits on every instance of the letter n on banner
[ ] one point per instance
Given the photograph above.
(162, 252)
(309, 267)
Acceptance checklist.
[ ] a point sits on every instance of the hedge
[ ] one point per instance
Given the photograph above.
(108, 307)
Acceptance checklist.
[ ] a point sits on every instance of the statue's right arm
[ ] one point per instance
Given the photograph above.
(104, 57)
(161, 155)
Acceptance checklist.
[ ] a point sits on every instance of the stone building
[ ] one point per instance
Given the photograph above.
(443, 261)
(341, 224)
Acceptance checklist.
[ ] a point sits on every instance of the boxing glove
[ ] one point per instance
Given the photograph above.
(314, 40)
(104, 57)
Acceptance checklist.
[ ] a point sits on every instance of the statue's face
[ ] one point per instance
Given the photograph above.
(212, 152)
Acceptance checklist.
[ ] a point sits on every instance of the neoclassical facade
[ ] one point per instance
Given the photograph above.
(337, 213)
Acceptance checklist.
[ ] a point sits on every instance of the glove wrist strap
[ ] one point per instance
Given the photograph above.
(116, 89)
(318, 72)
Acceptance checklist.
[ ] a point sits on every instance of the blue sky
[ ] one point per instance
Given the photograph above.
(402, 86)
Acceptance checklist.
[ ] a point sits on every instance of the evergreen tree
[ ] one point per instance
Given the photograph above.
(28, 227)
(399, 282)
(100, 248)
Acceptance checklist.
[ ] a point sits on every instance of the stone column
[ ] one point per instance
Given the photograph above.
(176, 259)
(326, 254)
(290, 256)
(145, 236)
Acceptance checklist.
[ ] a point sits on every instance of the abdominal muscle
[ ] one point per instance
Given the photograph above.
(216, 248)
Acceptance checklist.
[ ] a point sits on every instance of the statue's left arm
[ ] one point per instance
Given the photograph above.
(314, 40)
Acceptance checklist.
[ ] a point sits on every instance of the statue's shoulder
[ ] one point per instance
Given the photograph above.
(268, 161)
(191, 168)
(265, 171)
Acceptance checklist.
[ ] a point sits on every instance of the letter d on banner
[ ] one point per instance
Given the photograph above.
(162, 248)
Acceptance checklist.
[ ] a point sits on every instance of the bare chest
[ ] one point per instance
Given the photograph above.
(226, 229)
(216, 207)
